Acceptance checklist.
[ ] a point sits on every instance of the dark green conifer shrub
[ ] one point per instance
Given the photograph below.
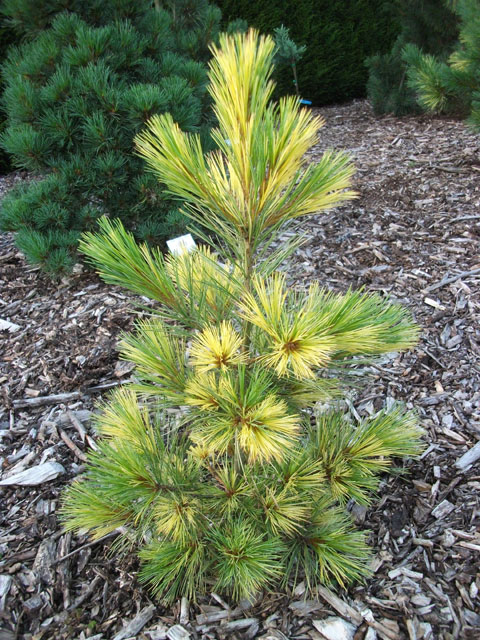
(76, 95)
(453, 86)
(338, 37)
(431, 25)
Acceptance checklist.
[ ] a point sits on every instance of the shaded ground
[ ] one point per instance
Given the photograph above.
(412, 231)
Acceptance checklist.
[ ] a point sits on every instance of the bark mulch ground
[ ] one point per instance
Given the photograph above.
(412, 234)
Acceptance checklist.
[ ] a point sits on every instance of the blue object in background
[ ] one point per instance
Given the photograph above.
(305, 101)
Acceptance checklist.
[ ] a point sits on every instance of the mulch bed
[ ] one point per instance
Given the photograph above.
(412, 234)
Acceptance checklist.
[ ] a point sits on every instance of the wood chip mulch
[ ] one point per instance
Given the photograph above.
(413, 234)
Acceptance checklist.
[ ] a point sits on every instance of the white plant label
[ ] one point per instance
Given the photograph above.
(179, 245)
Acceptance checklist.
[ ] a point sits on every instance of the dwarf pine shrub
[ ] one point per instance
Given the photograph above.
(217, 463)
(76, 95)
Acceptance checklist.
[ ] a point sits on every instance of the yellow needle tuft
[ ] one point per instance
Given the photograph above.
(217, 348)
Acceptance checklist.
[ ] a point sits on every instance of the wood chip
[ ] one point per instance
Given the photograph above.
(6, 325)
(469, 545)
(434, 303)
(304, 608)
(72, 446)
(335, 628)
(137, 624)
(57, 398)
(468, 458)
(443, 509)
(184, 611)
(344, 609)
(236, 625)
(178, 632)
(35, 475)
(5, 584)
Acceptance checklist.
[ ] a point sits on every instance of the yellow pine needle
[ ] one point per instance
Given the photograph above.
(240, 88)
(231, 486)
(158, 354)
(199, 274)
(365, 323)
(266, 431)
(299, 342)
(298, 353)
(120, 260)
(363, 339)
(263, 431)
(217, 348)
(284, 513)
(304, 332)
(176, 515)
(203, 392)
(459, 61)
(256, 178)
(123, 419)
(200, 452)
(268, 312)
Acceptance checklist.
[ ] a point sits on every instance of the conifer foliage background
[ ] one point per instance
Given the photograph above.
(338, 37)
(218, 463)
(453, 85)
(7, 38)
(76, 94)
(429, 24)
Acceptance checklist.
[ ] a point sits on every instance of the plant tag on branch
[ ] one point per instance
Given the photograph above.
(181, 244)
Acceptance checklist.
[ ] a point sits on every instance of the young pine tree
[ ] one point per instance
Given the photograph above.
(453, 86)
(247, 487)
(287, 52)
(76, 96)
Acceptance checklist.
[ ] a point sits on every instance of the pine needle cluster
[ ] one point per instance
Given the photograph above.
(218, 462)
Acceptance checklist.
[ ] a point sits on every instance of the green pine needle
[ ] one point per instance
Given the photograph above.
(245, 561)
(174, 569)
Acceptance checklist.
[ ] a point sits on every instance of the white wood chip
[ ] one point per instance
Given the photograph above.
(434, 304)
(5, 583)
(184, 613)
(334, 628)
(35, 475)
(159, 632)
(394, 573)
(443, 509)
(469, 545)
(414, 575)
(235, 625)
(304, 607)
(468, 458)
(6, 325)
(420, 600)
(135, 625)
(178, 633)
(473, 591)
